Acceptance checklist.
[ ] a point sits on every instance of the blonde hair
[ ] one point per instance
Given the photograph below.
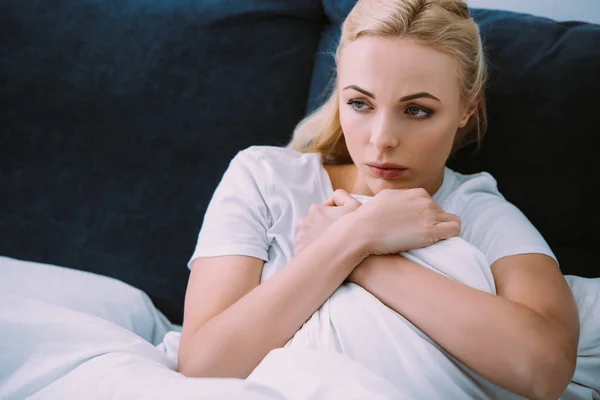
(444, 25)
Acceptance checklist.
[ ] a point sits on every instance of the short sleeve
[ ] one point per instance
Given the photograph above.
(494, 225)
(237, 219)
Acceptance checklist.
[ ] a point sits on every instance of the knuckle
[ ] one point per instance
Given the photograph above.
(431, 239)
(413, 194)
(423, 202)
(420, 192)
(328, 212)
(429, 220)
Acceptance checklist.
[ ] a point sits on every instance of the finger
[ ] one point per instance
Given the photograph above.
(302, 223)
(445, 230)
(341, 198)
(447, 217)
(419, 192)
(333, 212)
(315, 209)
(298, 244)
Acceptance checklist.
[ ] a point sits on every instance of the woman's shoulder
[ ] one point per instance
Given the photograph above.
(279, 159)
(477, 200)
(469, 186)
(284, 173)
(277, 153)
(475, 193)
(491, 222)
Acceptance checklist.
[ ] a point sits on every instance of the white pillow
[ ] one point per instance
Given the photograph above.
(98, 295)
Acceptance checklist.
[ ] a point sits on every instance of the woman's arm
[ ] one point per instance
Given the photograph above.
(524, 338)
(231, 322)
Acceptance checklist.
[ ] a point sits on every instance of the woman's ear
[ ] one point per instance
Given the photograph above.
(466, 125)
(468, 114)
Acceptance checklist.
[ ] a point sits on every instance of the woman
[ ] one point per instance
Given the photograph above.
(409, 92)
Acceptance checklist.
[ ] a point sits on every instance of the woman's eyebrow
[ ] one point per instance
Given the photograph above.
(363, 91)
(419, 95)
(402, 99)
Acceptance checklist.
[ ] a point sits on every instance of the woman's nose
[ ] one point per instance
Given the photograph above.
(383, 133)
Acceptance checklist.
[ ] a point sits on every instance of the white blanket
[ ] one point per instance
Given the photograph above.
(353, 347)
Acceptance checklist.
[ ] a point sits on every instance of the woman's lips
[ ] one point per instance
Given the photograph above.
(387, 173)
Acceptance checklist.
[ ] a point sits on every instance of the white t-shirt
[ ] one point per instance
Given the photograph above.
(266, 190)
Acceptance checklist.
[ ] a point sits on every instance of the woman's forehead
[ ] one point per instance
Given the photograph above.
(396, 65)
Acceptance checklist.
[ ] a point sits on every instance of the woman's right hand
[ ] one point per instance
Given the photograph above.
(397, 220)
(321, 216)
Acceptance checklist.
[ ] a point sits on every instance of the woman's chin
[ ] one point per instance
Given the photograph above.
(376, 185)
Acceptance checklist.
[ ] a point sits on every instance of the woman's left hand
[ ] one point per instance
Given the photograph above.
(321, 216)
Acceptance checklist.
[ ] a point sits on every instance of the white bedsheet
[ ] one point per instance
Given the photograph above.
(50, 351)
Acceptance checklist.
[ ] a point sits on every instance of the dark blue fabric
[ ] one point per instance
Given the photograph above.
(118, 118)
(544, 123)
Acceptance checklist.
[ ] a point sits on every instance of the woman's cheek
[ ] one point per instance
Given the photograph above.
(349, 125)
(440, 141)
(356, 127)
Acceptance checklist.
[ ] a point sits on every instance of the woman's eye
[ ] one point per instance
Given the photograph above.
(418, 112)
(358, 105)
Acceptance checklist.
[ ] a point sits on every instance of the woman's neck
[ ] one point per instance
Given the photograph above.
(345, 177)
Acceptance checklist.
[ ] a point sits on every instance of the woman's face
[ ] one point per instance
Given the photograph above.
(400, 109)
